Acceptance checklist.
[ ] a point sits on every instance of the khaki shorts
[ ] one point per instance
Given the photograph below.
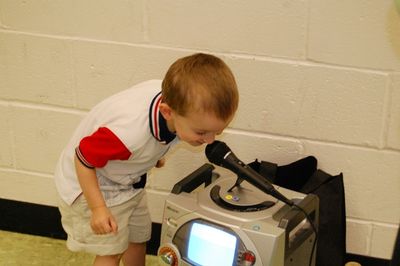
(133, 219)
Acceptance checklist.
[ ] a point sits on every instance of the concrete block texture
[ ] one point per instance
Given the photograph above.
(6, 137)
(36, 69)
(371, 179)
(357, 33)
(28, 187)
(40, 135)
(315, 78)
(118, 20)
(311, 101)
(275, 28)
(74, 73)
(383, 236)
(155, 201)
(97, 66)
(393, 139)
(358, 236)
(373, 239)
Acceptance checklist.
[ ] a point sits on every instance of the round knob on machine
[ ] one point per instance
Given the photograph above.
(248, 258)
(167, 256)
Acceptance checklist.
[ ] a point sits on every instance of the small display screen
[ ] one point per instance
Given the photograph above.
(211, 246)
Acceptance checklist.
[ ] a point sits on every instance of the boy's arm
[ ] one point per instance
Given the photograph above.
(102, 221)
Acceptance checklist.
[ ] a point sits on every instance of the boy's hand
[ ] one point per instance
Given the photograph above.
(102, 221)
(160, 163)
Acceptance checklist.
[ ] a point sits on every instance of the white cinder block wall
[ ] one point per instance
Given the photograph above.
(316, 78)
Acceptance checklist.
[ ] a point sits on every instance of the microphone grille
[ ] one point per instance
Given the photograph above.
(216, 152)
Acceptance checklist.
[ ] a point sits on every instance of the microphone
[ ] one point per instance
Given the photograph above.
(220, 154)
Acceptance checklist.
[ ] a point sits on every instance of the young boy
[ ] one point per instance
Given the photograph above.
(101, 173)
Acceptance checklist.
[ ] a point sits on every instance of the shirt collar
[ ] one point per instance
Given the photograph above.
(158, 124)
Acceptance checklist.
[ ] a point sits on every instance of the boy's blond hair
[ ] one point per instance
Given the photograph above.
(201, 83)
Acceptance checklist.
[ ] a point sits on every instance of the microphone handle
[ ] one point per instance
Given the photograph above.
(261, 183)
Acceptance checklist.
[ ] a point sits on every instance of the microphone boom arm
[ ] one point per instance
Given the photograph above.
(220, 154)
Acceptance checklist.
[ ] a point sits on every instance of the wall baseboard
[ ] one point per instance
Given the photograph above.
(41, 220)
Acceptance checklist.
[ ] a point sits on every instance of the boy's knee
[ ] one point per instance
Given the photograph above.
(107, 260)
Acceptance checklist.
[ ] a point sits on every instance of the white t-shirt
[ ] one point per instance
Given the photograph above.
(122, 138)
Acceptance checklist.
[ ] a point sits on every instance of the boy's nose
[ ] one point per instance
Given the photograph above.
(209, 138)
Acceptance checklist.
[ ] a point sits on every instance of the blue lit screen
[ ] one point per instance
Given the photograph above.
(210, 246)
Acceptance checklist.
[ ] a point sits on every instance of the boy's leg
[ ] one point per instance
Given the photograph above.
(76, 222)
(135, 255)
(139, 233)
(110, 260)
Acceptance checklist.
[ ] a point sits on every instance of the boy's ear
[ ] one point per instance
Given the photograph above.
(166, 111)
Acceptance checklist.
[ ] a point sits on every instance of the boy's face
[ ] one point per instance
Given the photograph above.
(195, 128)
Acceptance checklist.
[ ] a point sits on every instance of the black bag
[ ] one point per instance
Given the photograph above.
(395, 261)
(303, 176)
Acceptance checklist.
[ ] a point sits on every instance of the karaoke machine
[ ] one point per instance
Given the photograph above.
(234, 223)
